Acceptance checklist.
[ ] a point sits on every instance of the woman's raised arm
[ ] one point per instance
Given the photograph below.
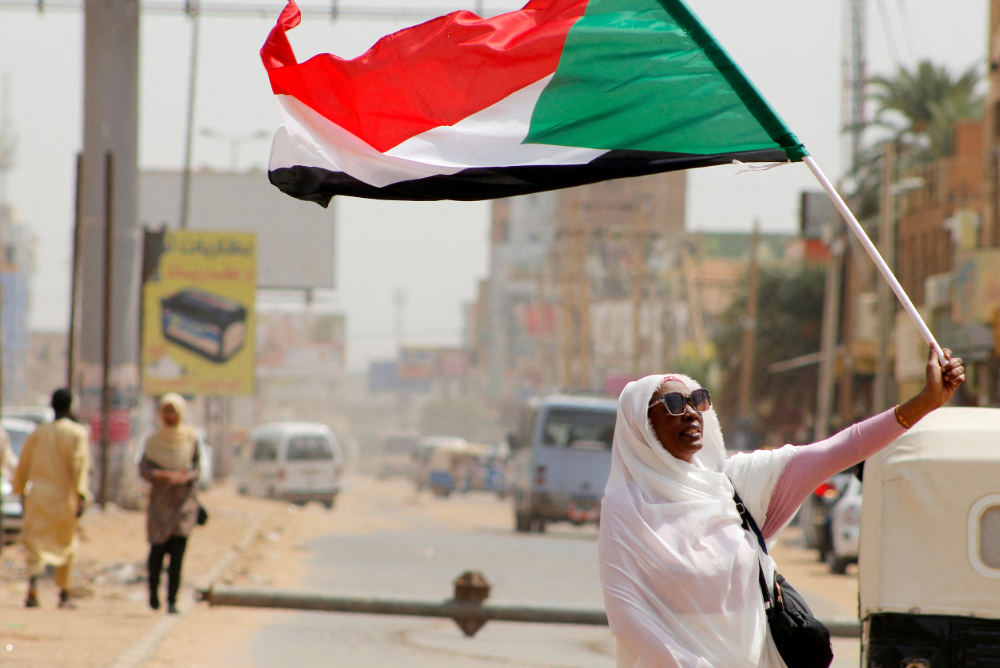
(812, 464)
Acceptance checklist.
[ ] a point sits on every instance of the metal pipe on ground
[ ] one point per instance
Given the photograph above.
(469, 615)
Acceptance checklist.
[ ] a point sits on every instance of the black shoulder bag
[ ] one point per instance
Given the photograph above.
(801, 639)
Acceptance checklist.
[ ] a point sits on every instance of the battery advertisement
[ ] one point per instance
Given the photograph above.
(198, 320)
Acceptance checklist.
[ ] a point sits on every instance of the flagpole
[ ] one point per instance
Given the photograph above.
(855, 226)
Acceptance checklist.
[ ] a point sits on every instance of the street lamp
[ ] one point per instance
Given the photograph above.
(234, 142)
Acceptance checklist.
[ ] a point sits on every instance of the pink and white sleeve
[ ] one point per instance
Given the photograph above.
(812, 464)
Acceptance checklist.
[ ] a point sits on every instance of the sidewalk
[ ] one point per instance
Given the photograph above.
(110, 584)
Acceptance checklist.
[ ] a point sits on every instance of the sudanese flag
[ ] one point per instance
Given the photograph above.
(559, 93)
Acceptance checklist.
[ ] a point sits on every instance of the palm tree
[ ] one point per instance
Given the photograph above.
(930, 101)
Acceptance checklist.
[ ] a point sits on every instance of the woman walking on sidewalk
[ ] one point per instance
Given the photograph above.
(171, 464)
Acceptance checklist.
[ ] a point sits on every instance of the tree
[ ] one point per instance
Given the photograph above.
(930, 100)
(790, 313)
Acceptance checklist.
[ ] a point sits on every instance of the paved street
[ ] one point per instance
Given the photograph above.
(431, 541)
(439, 539)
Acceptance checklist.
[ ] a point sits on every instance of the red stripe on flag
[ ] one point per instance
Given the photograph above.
(430, 75)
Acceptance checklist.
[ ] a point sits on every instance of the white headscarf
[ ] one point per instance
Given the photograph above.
(679, 573)
(172, 446)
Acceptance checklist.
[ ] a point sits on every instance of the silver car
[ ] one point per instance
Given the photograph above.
(845, 528)
(10, 503)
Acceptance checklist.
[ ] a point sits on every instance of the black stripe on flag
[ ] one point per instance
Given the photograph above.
(314, 184)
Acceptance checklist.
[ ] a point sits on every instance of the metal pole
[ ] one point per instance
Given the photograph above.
(75, 278)
(887, 244)
(460, 611)
(750, 328)
(189, 140)
(109, 229)
(855, 226)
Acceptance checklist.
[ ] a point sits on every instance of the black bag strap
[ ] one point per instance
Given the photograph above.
(748, 521)
(750, 525)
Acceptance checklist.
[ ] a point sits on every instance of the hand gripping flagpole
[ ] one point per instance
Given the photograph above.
(855, 226)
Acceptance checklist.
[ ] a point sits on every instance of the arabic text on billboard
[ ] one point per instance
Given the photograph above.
(198, 320)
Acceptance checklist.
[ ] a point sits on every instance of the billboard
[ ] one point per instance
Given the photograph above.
(430, 362)
(298, 340)
(198, 317)
(295, 238)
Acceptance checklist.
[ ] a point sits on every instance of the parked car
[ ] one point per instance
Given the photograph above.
(929, 576)
(36, 414)
(10, 504)
(845, 528)
(293, 461)
(561, 459)
(814, 515)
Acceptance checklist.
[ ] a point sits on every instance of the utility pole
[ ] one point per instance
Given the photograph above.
(106, 391)
(575, 297)
(694, 304)
(6, 162)
(750, 328)
(855, 78)
(886, 301)
(110, 125)
(828, 337)
(74, 286)
(638, 285)
(990, 230)
(192, 11)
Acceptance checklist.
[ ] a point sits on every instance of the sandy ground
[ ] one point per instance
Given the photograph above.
(219, 637)
(109, 585)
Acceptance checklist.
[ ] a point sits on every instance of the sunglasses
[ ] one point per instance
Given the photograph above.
(676, 403)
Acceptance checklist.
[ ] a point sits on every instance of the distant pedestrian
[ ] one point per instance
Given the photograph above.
(55, 462)
(171, 463)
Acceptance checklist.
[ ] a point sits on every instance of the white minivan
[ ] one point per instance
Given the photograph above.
(293, 461)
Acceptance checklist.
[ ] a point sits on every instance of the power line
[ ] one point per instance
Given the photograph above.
(254, 10)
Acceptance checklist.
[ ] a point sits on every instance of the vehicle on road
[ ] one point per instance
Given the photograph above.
(293, 461)
(394, 455)
(845, 528)
(423, 467)
(10, 504)
(560, 460)
(814, 515)
(37, 414)
(929, 575)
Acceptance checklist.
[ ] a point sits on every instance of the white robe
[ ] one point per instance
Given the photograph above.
(679, 573)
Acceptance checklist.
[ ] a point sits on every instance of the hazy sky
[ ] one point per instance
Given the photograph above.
(437, 251)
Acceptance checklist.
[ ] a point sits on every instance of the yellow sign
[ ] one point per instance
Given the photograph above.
(198, 321)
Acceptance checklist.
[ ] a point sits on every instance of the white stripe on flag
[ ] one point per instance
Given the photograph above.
(489, 138)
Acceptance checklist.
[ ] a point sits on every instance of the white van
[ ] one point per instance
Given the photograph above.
(293, 461)
(561, 459)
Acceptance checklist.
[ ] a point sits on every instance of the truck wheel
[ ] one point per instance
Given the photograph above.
(328, 503)
(522, 522)
(838, 565)
(538, 524)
